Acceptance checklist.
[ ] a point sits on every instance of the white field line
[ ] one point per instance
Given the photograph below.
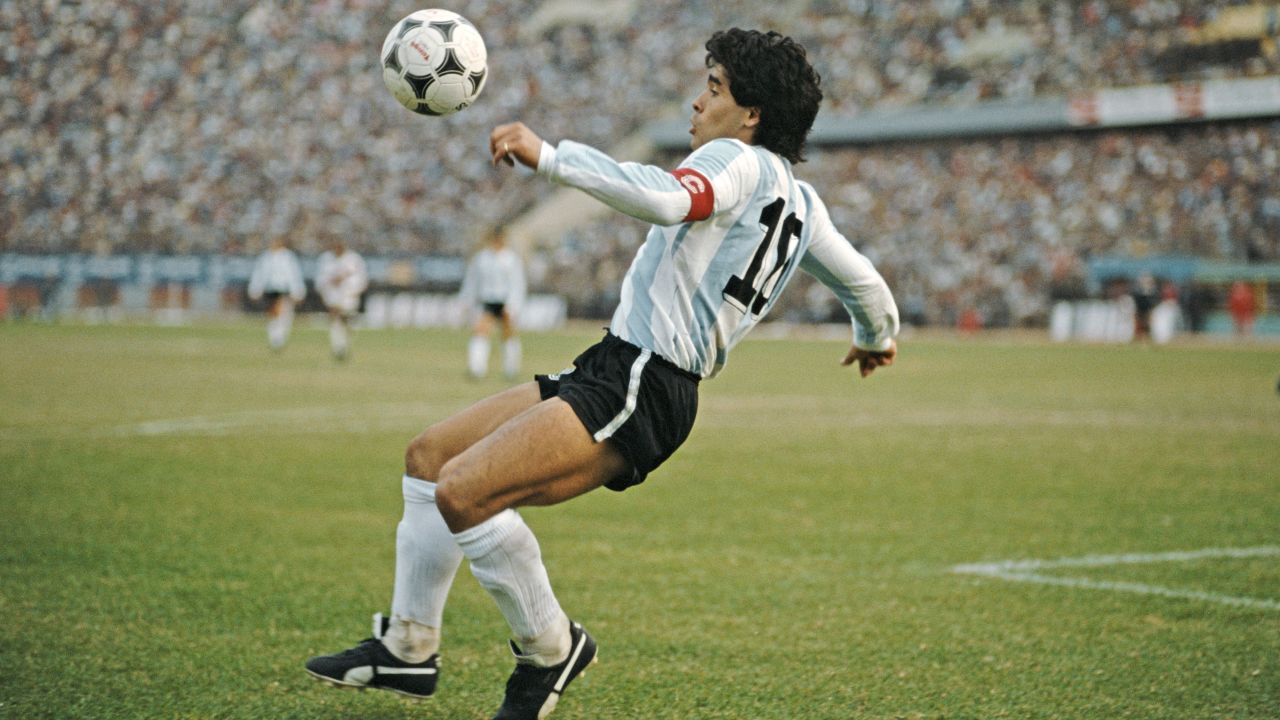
(1028, 571)
(298, 420)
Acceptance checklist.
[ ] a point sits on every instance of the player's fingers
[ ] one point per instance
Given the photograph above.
(500, 141)
(499, 151)
(504, 147)
(495, 137)
(849, 357)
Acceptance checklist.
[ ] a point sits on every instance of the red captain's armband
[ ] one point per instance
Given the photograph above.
(702, 199)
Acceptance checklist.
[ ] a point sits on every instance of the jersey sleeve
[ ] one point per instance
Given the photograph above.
(706, 182)
(851, 276)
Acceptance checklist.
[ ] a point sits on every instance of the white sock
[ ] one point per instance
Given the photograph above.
(339, 338)
(505, 558)
(275, 333)
(478, 356)
(426, 560)
(286, 322)
(511, 357)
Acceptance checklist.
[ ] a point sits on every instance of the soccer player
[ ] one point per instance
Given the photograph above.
(277, 277)
(340, 279)
(731, 225)
(494, 287)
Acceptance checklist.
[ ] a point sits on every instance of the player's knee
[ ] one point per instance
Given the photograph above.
(425, 456)
(458, 507)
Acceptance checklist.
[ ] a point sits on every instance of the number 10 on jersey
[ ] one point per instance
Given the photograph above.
(748, 292)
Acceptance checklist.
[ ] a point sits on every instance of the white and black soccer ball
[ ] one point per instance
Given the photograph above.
(434, 62)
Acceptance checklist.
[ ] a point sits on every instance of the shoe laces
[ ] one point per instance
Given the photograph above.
(360, 649)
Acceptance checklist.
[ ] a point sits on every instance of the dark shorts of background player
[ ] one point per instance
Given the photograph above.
(271, 296)
(495, 309)
(597, 387)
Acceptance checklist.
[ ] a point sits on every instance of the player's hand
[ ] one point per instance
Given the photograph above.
(512, 143)
(869, 360)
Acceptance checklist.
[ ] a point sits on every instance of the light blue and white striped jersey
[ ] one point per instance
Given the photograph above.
(730, 227)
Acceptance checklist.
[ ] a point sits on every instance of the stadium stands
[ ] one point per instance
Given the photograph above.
(205, 126)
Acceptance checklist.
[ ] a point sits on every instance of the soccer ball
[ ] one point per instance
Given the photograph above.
(434, 62)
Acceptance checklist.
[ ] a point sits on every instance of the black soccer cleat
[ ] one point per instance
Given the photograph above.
(532, 692)
(371, 665)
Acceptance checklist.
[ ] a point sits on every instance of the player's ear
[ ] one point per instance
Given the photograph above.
(752, 117)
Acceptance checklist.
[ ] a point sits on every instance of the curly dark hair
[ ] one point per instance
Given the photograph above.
(770, 71)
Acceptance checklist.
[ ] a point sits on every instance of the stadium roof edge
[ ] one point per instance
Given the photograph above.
(1146, 105)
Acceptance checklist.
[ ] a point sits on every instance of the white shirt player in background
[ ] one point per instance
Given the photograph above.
(341, 278)
(494, 289)
(277, 278)
(730, 226)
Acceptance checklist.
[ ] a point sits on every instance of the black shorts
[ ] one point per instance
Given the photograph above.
(495, 309)
(639, 401)
(271, 296)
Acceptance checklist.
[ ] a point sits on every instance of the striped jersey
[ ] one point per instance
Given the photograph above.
(731, 225)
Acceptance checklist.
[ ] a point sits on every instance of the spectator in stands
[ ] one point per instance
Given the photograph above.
(192, 126)
(1145, 296)
(1166, 317)
(1243, 305)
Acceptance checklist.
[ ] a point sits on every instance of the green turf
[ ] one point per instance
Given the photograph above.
(187, 517)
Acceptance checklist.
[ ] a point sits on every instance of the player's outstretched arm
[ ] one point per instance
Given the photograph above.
(869, 360)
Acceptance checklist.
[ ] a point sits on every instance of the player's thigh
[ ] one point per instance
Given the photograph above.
(483, 324)
(440, 442)
(542, 456)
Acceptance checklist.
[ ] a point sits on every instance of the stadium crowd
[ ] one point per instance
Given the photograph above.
(194, 126)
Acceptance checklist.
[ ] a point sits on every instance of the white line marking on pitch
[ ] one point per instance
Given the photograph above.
(1027, 571)
(353, 418)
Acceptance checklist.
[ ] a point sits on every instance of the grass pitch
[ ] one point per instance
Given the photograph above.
(187, 517)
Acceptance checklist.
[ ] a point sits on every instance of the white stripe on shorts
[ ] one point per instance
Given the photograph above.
(633, 391)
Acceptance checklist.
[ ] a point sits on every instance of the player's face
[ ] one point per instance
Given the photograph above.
(717, 115)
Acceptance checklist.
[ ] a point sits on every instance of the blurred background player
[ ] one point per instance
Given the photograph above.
(277, 278)
(494, 287)
(341, 278)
